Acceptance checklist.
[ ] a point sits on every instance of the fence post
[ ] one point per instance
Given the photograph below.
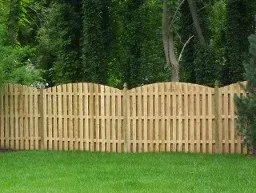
(42, 121)
(125, 126)
(217, 116)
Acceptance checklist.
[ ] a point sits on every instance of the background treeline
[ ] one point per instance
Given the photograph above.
(116, 41)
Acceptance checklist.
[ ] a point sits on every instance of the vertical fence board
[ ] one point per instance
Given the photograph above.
(186, 117)
(145, 120)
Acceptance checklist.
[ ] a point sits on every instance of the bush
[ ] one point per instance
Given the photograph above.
(246, 105)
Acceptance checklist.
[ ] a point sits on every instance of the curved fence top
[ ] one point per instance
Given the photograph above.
(94, 87)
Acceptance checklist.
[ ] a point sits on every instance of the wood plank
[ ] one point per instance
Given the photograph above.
(210, 120)
(108, 127)
(87, 115)
(134, 124)
(145, 115)
(2, 114)
(70, 118)
(11, 118)
(36, 118)
(60, 117)
(80, 117)
(180, 119)
(157, 118)
(91, 113)
(204, 120)
(126, 121)
(198, 124)
(113, 120)
(186, 129)
(97, 124)
(76, 115)
(119, 121)
(151, 117)
(168, 114)
(21, 118)
(162, 128)
(232, 120)
(139, 119)
(238, 138)
(49, 119)
(226, 132)
(16, 115)
(54, 118)
(31, 118)
(175, 116)
(65, 114)
(103, 118)
(26, 124)
(192, 102)
(6, 118)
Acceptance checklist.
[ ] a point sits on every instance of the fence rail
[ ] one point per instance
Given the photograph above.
(167, 117)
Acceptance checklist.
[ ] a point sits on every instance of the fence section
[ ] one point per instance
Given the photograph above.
(171, 117)
(229, 141)
(19, 117)
(84, 116)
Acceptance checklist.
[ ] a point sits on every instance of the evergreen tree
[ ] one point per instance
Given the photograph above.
(97, 40)
(246, 106)
(240, 24)
(59, 49)
(138, 54)
(199, 63)
(131, 41)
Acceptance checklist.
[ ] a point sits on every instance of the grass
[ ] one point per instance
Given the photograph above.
(50, 172)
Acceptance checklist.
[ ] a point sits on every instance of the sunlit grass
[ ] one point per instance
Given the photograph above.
(32, 171)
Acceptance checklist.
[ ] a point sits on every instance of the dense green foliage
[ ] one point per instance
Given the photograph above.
(17, 51)
(113, 41)
(246, 105)
(202, 63)
(141, 57)
(239, 25)
(187, 69)
(107, 172)
(59, 48)
(98, 39)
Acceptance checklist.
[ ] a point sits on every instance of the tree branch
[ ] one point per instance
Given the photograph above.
(184, 46)
(176, 12)
(193, 11)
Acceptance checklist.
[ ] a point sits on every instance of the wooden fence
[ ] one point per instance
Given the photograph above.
(162, 117)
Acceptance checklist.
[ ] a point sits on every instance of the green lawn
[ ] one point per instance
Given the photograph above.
(32, 171)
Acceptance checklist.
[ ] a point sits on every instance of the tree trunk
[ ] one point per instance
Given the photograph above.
(168, 42)
(193, 11)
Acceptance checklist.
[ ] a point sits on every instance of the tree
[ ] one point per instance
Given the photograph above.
(59, 48)
(198, 28)
(97, 40)
(201, 59)
(170, 10)
(240, 24)
(187, 67)
(131, 40)
(246, 105)
(17, 59)
(138, 56)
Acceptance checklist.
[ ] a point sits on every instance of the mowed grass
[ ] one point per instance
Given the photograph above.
(46, 172)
